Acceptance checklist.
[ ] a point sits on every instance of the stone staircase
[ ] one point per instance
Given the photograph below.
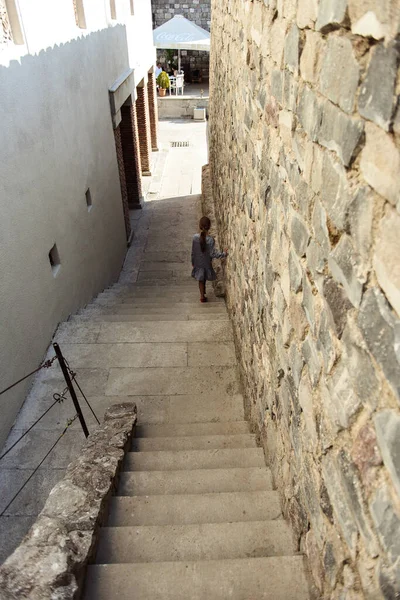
(195, 516)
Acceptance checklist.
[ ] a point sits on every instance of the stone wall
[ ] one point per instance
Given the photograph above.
(199, 12)
(305, 163)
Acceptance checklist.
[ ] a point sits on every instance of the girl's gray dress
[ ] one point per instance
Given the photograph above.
(201, 261)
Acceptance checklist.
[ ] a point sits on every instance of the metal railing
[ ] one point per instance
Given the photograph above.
(70, 378)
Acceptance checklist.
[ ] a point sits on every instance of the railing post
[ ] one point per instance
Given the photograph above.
(69, 383)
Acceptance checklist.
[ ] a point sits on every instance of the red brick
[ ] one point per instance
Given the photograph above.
(143, 120)
(130, 147)
(121, 169)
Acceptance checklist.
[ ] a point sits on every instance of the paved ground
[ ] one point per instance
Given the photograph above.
(117, 352)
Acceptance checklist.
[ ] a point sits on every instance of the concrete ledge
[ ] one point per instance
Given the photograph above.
(51, 560)
(179, 106)
(121, 89)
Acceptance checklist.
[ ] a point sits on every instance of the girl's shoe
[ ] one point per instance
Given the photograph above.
(203, 299)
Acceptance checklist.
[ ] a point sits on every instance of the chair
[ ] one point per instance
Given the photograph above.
(179, 83)
(172, 83)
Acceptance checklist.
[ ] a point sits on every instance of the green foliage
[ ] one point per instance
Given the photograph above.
(163, 80)
(169, 55)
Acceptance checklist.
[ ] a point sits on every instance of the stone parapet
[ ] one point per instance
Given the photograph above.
(305, 158)
(51, 560)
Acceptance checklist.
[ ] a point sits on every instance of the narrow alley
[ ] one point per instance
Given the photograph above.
(195, 514)
(158, 443)
(162, 232)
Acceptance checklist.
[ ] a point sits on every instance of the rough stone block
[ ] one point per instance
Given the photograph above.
(297, 318)
(295, 272)
(313, 164)
(380, 163)
(316, 259)
(311, 57)
(276, 85)
(286, 127)
(299, 234)
(339, 132)
(309, 113)
(320, 228)
(387, 257)
(335, 193)
(374, 18)
(381, 330)
(326, 344)
(331, 562)
(308, 303)
(331, 14)
(339, 501)
(343, 402)
(306, 13)
(277, 40)
(291, 52)
(387, 426)
(306, 403)
(338, 304)
(363, 377)
(360, 216)
(344, 265)
(296, 364)
(340, 73)
(290, 90)
(312, 359)
(387, 522)
(352, 487)
(287, 8)
(375, 101)
(365, 454)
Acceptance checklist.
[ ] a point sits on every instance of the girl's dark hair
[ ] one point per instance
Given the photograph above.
(204, 226)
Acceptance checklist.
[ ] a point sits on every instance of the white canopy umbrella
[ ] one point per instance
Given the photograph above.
(181, 34)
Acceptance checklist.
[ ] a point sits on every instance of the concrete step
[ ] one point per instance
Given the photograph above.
(191, 408)
(216, 308)
(270, 578)
(194, 459)
(168, 294)
(173, 429)
(196, 481)
(155, 318)
(151, 302)
(180, 509)
(189, 296)
(205, 541)
(197, 442)
(209, 308)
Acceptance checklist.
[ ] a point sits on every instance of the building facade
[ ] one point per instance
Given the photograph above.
(199, 12)
(305, 168)
(78, 123)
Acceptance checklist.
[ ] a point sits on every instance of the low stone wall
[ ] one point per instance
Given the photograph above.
(305, 164)
(177, 107)
(51, 561)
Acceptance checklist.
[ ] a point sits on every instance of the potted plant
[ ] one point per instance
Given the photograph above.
(163, 83)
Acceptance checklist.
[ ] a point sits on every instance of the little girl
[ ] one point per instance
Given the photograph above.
(203, 252)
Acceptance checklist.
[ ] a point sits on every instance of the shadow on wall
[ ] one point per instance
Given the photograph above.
(57, 151)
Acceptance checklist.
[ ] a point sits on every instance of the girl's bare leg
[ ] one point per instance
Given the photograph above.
(202, 287)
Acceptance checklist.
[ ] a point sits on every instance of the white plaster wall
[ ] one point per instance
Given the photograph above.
(56, 140)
